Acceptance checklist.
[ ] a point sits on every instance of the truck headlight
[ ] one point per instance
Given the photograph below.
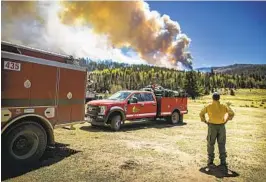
(102, 110)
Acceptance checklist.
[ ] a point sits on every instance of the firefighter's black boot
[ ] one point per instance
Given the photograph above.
(223, 166)
(210, 164)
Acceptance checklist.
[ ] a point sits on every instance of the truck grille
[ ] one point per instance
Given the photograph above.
(93, 110)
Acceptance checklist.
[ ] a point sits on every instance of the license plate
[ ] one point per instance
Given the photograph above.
(88, 119)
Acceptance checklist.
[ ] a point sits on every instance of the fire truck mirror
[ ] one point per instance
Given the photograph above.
(133, 100)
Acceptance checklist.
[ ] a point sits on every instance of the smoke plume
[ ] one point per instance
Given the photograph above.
(97, 30)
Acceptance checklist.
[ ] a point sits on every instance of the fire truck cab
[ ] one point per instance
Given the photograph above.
(40, 91)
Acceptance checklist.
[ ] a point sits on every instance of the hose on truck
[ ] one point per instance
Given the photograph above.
(159, 91)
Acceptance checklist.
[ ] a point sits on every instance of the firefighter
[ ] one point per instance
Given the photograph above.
(216, 128)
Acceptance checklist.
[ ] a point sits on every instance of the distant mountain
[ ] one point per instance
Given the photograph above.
(237, 69)
(247, 69)
(204, 69)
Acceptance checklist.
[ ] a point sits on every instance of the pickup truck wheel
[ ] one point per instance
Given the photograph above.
(174, 118)
(25, 143)
(116, 122)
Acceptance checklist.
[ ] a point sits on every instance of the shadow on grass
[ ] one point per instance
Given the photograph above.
(218, 172)
(51, 156)
(137, 125)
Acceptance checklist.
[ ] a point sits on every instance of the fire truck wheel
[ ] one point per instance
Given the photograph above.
(116, 121)
(174, 118)
(25, 143)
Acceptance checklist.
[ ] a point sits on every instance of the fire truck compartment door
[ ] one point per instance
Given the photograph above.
(71, 96)
(15, 91)
(43, 85)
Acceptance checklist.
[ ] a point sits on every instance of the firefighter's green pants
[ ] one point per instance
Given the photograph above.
(216, 131)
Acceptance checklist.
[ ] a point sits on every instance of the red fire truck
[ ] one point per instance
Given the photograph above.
(40, 91)
(135, 105)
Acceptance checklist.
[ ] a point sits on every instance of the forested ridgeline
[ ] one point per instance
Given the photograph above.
(113, 76)
(259, 69)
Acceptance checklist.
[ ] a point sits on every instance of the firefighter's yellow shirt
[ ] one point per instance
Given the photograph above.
(216, 113)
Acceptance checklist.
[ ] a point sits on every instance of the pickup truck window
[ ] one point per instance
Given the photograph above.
(138, 96)
(119, 96)
(147, 97)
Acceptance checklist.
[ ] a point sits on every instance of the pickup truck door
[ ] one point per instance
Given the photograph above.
(134, 110)
(145, 108)
(149, 104)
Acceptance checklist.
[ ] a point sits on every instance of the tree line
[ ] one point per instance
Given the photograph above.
(111, 76)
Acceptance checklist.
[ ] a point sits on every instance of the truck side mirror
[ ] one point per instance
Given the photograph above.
(133, 100)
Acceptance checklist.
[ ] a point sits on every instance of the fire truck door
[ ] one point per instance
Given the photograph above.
(134, 109)
(149, 105)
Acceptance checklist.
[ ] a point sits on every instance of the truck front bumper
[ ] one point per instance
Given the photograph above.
(96, 120)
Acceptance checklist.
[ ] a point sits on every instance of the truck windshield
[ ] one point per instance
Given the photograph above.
(119, 96)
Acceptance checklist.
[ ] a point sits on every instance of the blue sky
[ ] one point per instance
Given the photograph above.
(222, 33)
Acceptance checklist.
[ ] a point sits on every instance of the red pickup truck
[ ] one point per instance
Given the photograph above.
(135, 105)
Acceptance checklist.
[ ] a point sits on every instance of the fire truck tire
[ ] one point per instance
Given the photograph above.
(174, 118)
(181, 119)
(25, 143)
(116, 122)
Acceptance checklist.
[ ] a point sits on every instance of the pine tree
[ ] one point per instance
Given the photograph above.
(191, 84)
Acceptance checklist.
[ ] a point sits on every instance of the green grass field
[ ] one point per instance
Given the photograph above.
(157, 151)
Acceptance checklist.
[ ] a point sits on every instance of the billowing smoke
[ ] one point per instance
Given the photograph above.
(97, 30)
